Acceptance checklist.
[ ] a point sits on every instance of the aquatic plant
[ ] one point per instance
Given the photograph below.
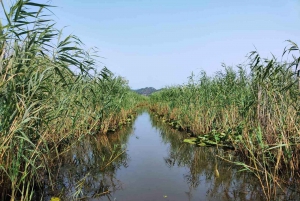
(253, 109)
(51, 96)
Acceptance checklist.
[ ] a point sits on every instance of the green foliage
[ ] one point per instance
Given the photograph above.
(254, 110)
(51, 95)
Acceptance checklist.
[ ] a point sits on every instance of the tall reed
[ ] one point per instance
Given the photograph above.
(51, 95)
(254, 108)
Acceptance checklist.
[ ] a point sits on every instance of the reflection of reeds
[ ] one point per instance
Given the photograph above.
(258, 112)
(88, 169)
(202, 163)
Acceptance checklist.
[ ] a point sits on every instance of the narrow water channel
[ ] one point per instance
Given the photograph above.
(162, 167)
(155, 165)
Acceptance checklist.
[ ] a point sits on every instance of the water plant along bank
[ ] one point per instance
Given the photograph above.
(51, 96)
(253, 109)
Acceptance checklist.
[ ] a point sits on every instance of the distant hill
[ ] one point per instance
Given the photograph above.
(145, 91)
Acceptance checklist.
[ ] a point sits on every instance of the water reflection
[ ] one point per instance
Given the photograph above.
(204, 168)
(87, 171)
(149, 162)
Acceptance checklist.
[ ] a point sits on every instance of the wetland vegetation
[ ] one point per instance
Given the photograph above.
(51, 96)
(61, 112)
(253, 110)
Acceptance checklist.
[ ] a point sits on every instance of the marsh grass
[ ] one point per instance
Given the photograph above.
(51, 96)
(255, 108)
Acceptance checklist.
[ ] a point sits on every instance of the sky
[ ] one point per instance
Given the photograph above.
(158, 43)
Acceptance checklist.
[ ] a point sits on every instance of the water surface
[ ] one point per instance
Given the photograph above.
(155, 164)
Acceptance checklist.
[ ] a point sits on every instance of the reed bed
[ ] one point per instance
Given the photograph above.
(51, 96)
(253, 109)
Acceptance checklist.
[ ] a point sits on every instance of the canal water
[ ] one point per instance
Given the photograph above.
(148, 162)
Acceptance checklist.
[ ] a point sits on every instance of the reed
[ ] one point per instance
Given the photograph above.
(51, 95)
(253, 108)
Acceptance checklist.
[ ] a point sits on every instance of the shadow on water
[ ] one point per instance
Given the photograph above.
(148, 162)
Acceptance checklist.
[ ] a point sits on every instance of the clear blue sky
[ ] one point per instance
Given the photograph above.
(161, 42)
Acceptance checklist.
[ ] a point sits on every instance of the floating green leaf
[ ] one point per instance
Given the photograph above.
(190, 140)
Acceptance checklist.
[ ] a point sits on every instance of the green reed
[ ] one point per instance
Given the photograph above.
(253, 108)
(51, 95)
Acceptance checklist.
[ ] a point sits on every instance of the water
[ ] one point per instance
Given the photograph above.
(155, 165)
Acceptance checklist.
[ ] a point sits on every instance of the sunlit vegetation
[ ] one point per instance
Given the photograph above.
(253, 109)
(51, 96)
(54, 93)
